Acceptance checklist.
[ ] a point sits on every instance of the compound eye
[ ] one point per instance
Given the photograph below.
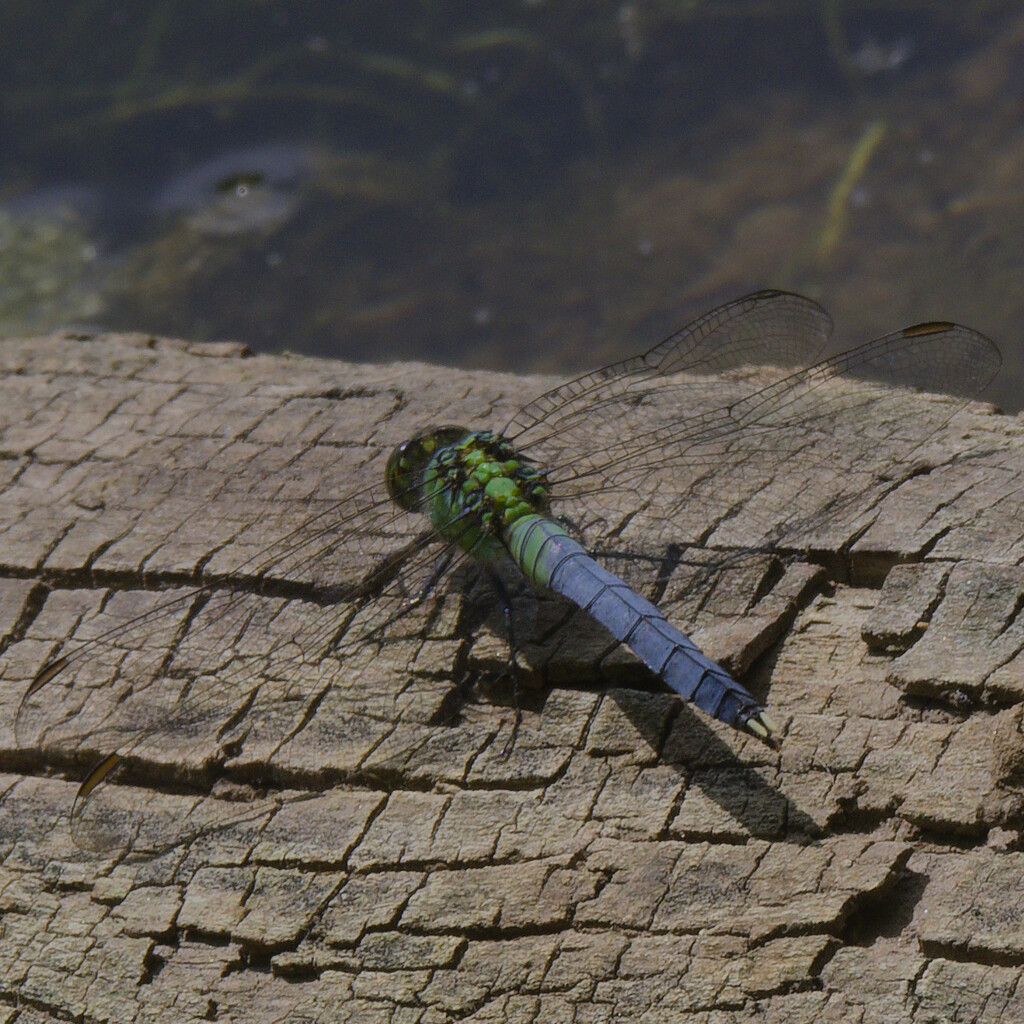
(409, 461)
(399, 476)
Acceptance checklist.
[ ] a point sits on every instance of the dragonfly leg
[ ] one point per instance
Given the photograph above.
(430, 584)
(513, 667)
(571, 525)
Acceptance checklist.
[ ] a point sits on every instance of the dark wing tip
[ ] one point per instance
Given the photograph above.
(46, 673)
(931, 327)
(97, 774)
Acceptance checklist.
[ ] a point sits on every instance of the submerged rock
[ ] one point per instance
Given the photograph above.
(249, 189)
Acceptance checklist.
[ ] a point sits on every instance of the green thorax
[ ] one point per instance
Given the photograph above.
(472, 485)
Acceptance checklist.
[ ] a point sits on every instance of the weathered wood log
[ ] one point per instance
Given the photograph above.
(320, 844)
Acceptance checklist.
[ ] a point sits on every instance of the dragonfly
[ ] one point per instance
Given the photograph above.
(732, 436)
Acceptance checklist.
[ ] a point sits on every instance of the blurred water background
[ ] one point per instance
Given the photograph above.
(525, 185)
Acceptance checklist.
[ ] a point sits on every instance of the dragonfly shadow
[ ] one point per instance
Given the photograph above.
(726, 798)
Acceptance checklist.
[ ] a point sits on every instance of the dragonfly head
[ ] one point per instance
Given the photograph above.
(408, 462)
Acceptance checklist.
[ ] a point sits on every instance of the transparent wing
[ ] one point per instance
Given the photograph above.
(163, 681)
(768, 327)
(756, 456)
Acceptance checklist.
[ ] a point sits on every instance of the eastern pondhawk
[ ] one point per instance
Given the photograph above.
(723, 427)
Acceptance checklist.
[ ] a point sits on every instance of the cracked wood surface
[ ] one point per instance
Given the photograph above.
(616, 858)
